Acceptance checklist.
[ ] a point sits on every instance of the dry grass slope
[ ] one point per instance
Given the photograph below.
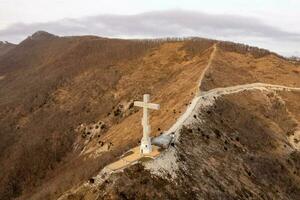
(66, 102)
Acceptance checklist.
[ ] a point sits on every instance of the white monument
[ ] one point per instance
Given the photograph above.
(146, 147)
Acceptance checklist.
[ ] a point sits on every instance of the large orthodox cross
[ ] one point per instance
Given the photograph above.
(146, 147)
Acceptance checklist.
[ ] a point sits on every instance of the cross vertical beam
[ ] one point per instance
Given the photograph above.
(146, 140)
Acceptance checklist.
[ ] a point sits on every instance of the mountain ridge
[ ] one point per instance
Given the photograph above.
(5, 47)
(53, 86)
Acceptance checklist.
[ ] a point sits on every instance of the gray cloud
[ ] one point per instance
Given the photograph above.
(174, 23)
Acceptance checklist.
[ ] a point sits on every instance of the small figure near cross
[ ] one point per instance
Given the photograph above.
(146, 147)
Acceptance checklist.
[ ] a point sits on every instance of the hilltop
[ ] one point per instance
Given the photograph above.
(66, 111)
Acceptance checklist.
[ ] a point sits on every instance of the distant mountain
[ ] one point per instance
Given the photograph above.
(66, 111)
(42, 35)
(5, 47)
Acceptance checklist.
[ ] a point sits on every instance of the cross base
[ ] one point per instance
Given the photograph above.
(146, 146)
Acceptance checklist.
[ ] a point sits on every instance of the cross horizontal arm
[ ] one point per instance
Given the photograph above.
(153, 106)
(139, 104)
(147, 105)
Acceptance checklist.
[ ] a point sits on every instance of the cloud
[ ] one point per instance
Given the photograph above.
(172, 23)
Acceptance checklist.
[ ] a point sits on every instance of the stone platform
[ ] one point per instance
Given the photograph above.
(131, 157)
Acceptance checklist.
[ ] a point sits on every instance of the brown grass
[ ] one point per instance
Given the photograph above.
(54, 84)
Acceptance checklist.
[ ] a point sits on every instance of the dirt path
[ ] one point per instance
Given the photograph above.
(238, 88)
(211, 94)
(212, 56)
(200, 95)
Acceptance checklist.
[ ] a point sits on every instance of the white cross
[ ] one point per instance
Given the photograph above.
(146, 141)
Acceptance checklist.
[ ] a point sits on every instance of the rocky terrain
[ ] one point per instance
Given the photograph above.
(66, 111)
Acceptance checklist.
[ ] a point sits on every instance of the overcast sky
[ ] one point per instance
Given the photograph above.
(271, 24)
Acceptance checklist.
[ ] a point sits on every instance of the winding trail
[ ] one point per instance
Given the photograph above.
(237, 88)
(216, 92)
(203, 97)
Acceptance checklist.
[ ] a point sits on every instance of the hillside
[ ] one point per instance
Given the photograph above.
(5, 47)
(66, 111)
(228, 151)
